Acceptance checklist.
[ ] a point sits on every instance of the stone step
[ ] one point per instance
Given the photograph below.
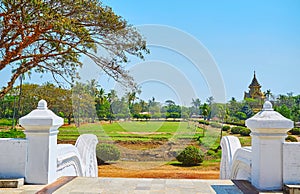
(291, 189)
(11, 183)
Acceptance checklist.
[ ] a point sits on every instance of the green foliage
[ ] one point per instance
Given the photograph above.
(284, 110)
(190, 156)
(241, 115)
(216, 154)
(245, 132)
(295, 131)
(226, 128)
(5, 122)
(245, 140)
(291, 139)
(107, 152)
(237, 123)
(235, 130)
(13, 133)
(241, 130)
(210, 152)
(215, 125)
(204, 122)
(247, 109)
(205, 110)
(55, 35)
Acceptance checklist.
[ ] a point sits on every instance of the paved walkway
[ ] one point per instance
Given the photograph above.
(147, 186)
(81, 185)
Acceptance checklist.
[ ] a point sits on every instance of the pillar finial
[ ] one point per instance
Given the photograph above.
(42, 105)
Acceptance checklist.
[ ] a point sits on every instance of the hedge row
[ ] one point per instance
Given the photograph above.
(241, 130)
(295, 131)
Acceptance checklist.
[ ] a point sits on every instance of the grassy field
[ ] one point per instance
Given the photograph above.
(133, 131)
(4, 123)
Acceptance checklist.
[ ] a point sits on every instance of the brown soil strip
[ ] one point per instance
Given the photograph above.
(164, 171)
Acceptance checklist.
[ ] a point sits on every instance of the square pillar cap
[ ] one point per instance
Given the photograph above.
(41, 116)
(269, 119)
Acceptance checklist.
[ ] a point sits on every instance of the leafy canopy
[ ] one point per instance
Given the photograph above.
(51, 35)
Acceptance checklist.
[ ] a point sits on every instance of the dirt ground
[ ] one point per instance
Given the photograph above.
(153, 169)
(157, 170)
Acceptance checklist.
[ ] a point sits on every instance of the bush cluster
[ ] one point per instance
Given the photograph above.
(295, 131)
(238, 123)
(226, 128)
(245, 132)
(107, 152)
(141, 116)
(12, 133)
(241, 130)
(204, 122)
(235, 130)
(291, 139)
(215, 125)
(190, 156)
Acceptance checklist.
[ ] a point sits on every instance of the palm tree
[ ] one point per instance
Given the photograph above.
(112, 96)
(92, 87)
(196, 103)
(101, 96)
(170, 102)
(205, 111)
(21, 78)
(210, 100)
(269, 95)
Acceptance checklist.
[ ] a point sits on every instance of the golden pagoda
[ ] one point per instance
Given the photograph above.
(255, 93)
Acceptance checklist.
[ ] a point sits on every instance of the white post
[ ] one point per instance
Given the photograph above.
(268, 131)
(41, 132)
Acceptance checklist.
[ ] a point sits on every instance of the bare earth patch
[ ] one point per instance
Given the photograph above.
(157, 170)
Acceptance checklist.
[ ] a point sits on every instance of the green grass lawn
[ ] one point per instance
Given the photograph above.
(146, 132)
(133, 131)
(5, 122)
(136, 131)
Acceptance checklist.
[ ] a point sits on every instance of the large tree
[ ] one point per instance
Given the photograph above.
(52, 35)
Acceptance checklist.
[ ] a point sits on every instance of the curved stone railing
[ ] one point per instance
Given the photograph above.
(86, 145)
(241, 165)
(69, 162)
(229, 145)
(78, 160)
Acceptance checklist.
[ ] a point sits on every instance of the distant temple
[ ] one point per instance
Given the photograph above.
(254, 90)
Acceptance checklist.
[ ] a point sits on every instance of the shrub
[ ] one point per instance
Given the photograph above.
(237, 123)
(107, 152)
(215, 125)
(204, 122)
(190, 156)
(12, 133)
(235, 130)
(245, 131)
(226, 128)
(295, 131)
(241, 115)
(210, 152)
(291, 139)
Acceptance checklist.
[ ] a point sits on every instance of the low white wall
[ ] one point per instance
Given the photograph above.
(12, 157)
(291, 163)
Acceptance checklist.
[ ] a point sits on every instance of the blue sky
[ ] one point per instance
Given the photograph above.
(241, 36)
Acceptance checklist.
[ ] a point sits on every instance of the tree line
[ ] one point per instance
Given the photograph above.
(87, 102)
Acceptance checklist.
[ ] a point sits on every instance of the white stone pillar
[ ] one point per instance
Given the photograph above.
(268, 131)
(41, 132)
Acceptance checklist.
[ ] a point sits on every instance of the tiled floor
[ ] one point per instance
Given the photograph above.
(149, 186)
(83, 185)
